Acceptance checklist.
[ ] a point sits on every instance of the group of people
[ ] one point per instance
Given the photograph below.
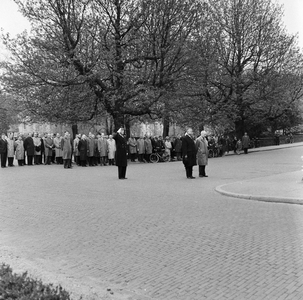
(93, 150)
(220, 145)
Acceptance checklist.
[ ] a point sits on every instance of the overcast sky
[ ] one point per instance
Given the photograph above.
(12, 21)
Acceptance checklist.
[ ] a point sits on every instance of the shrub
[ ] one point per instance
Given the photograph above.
(22, 287)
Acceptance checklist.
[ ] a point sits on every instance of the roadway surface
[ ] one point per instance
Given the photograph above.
(157, 235)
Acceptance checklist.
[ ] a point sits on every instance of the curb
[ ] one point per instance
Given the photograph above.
(274, 199)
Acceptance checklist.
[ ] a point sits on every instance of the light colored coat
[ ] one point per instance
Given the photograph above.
(48, 145)
(102, 146)
(202, 151)
(132, 143)
(58, 148)
(76, 150)
(141, 146)
(19, 150)
(10, 148)
(91, 146)
(111, 146)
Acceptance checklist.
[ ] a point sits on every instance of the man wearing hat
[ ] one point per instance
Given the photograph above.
(121, 153)
(189, 153)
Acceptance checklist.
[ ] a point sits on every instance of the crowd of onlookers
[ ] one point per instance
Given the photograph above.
(99, 149)
(91, 150)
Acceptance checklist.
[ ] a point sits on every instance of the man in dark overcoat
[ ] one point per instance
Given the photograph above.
(3, 150)
(83, 147)
(29, 147)
(189, 153)
(121, 153)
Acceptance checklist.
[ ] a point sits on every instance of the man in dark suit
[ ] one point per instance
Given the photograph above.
(3, 150)
(29, 147)
(189, 153)
(121, 153)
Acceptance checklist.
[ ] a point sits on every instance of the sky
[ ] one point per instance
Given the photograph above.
(13, 22)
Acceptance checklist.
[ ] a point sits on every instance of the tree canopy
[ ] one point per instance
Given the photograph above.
(217, 62)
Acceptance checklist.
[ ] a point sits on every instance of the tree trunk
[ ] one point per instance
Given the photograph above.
(239, 128)
(74, 130)
(118, 121)
(165, 126)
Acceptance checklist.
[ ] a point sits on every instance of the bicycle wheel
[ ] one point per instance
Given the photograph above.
(165, 157)
(154, 158)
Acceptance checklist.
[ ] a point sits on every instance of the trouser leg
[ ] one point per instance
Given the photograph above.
(119, 172)
(30, 160)
(123, 172)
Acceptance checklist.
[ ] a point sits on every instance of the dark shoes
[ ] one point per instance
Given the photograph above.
(203, 175)
(191, 177)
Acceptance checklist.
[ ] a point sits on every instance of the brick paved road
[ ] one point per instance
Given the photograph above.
(156, 235)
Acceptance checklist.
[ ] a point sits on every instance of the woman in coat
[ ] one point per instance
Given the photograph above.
(111, 146)
(202, 153)
(121, 153)
(82, 147)
(19, 154)
(10, 150)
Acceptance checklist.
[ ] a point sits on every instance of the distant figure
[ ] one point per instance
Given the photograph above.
(189, 153)
(3, 150)
(245, 142)
(202, 153)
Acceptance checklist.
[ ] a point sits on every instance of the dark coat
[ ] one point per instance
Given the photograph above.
(67, 148)
(82, 147)
(121, 151)
(29, 146)
(3, 146)
(189, 151)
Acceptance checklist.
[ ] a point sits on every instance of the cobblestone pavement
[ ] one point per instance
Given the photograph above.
(157, 235)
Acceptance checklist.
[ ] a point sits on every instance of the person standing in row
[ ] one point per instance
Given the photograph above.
(3, 150)
(82, 147)
(29, 147)
(10, 150)
(38, 145)
(48, 143)
(121, 153)
(202, 153)
(141, 149)
(102, 148)
(148, 148)
(76, 150)
(58, 149)
(132, 143)
(67, 150)
(91, 149)
(189, 153)
(19, 154)
(111, 146)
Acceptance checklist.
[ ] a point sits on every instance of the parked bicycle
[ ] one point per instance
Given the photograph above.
(156, 157)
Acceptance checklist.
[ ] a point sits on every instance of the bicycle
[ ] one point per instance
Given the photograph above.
(156, 157)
